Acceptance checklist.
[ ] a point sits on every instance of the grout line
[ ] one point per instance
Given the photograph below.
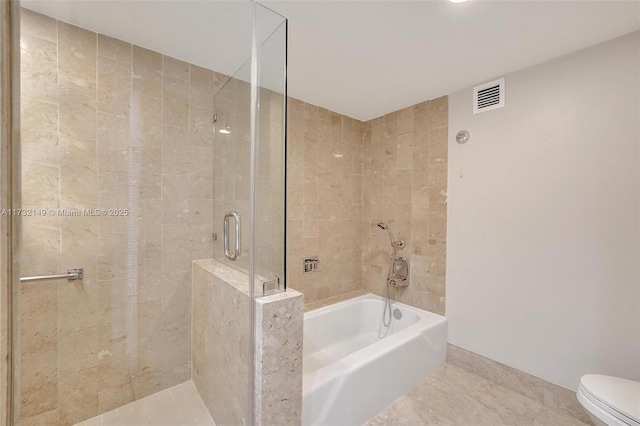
(97, 222)
(162, 184)
(59, 200)
(190, 346)
(133, 242)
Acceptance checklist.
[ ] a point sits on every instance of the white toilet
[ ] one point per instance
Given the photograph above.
(610, 401)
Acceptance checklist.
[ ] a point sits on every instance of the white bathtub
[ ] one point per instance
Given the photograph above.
(350, 373)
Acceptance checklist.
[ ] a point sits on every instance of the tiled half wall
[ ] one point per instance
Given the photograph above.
(220, 347)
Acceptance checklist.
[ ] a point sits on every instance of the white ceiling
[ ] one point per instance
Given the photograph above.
(361, 58)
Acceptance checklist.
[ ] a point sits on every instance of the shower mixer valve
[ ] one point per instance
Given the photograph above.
(400, 272)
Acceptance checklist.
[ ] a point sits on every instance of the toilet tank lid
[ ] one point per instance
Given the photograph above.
(620, 394)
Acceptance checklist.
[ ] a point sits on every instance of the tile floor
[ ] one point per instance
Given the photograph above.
(450, 396)
(179, 405)
(453, 396)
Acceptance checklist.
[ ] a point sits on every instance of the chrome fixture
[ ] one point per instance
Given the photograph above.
(394, 243)
(72, 274)
(236, 252)
(463, 137)
(227, 126)
(226, 130)
(271, 287)
(398, 273)
(311, 264)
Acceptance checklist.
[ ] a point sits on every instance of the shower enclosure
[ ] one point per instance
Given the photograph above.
(249, 196)
(132, 164)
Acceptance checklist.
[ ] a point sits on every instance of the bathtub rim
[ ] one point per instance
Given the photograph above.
(421, 312)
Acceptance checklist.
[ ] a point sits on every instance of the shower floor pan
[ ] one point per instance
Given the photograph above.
(179, 405)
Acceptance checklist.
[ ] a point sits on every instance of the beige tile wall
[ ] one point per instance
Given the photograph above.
(344, 177)
(405, 186)
(324, 200)
(109, 125)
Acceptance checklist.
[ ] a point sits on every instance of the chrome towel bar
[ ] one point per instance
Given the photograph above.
(72, 274)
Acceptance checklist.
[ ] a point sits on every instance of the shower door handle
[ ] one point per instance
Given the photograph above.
(236, 250)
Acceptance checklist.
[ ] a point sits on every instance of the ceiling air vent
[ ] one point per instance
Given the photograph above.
(488, 96)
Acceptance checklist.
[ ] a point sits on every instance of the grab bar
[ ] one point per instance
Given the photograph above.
(72, 274)
(236, 252)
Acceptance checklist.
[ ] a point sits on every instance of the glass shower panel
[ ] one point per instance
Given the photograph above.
(232, 170)
(233, 162)
(270, 167)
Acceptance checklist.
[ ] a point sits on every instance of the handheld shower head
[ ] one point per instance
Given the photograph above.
(394, 243)
(391, 278)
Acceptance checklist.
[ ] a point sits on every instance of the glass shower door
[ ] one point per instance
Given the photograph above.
(236, 157)
(232, 171)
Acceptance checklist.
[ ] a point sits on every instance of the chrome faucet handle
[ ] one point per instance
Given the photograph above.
(399, 243)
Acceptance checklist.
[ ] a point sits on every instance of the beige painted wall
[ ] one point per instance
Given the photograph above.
(544, 233)
(115, 126)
